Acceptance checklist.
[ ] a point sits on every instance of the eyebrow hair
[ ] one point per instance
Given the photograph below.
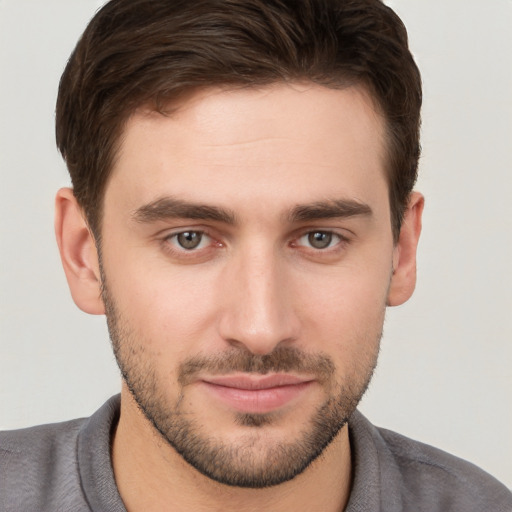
(334, 208)
(173, 208)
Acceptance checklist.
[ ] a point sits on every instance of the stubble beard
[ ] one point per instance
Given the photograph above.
(250, 463)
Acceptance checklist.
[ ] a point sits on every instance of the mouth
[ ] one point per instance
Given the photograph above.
(257, 394)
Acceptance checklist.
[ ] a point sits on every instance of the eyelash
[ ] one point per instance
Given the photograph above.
(172, 245)
(175, 236)
(206, 245)
(332, 235)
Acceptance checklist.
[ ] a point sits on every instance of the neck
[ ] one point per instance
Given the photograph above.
(152, 476)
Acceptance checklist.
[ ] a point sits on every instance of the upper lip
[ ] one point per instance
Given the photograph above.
(255, 382)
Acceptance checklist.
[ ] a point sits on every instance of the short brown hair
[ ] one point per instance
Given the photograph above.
(137, 52)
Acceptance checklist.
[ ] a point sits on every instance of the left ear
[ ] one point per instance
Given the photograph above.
(403, 280)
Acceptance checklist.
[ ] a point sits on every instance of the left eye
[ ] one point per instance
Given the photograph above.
(190, 240)
(319, 239)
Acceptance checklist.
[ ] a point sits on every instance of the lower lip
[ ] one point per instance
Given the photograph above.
(258, 401)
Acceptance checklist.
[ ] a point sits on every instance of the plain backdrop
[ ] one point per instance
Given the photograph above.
(445, 372)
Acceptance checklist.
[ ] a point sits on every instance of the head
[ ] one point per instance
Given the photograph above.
(137, 53)
(242, 212)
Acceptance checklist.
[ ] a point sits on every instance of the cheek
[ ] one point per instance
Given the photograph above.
(345, 309)
(165, 309)
(348, 291)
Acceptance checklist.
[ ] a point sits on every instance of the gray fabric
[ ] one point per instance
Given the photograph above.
(67, 467)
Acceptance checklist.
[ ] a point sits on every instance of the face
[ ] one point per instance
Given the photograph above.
(246, 260)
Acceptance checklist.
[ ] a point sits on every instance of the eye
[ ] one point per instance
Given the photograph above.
(189, 240)
(320, 239)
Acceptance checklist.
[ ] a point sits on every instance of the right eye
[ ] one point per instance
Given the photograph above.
(189, 240)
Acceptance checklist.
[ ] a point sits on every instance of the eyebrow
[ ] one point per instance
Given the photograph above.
(330, 209)
(172, 208)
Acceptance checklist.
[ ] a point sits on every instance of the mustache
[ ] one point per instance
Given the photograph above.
(282, 359)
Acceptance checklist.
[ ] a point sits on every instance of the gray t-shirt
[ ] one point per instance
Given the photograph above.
(67, 467)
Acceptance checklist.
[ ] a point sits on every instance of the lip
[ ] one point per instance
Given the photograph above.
(256, 394)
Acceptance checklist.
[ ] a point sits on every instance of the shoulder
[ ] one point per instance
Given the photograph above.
(41, 437)
(422, 477)
(428, 470)
(37, 464)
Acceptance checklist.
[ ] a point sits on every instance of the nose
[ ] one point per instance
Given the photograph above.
(257, 311)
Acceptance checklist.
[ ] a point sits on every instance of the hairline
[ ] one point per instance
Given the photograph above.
(183, 97)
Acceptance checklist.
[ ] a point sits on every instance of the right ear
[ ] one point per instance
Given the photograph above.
(78, 253)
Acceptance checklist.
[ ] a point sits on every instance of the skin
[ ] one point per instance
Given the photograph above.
(255, 284)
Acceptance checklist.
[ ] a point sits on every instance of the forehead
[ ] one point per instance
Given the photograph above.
(223, 144)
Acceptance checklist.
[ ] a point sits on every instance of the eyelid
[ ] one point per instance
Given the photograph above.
(333, 231)
(343, 239)
(214, 241)
(169, 232)
(204, 241)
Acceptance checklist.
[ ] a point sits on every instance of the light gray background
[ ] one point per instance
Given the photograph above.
(445, 373)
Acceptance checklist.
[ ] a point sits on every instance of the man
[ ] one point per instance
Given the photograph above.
(242, 212)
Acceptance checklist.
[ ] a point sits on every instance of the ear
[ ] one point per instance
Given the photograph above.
(78, 253)
(403, 280)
